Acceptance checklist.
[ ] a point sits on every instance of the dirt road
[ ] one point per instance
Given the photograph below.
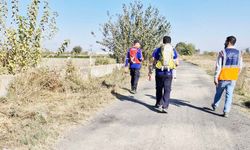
(132, 123)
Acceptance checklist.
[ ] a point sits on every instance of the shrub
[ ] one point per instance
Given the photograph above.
(185, 49)
(41, 103)
(77, 50)
(104, 61)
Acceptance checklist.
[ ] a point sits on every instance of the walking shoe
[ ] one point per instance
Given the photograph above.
(213, 107)
(225, 114)
(133, 91)
(158, 107)
(164, 110)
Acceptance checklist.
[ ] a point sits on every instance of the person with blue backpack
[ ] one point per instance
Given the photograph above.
(164, 65)
(134, 59)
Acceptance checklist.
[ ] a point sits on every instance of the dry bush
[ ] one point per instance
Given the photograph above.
(41, 103)
(243, 82)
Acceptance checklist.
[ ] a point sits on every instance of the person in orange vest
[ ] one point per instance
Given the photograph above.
(134, 59)
(228, 66)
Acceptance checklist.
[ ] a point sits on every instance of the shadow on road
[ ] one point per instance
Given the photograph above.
(184, 103)
(134, 100)
(126, 89)
(181, 103)
(151, 96)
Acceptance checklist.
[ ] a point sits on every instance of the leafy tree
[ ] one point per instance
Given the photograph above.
(20, 42)
(135, 22)
(185, 49)
(77, 50)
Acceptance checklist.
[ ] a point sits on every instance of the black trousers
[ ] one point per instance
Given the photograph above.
(163, 89)
(135, 75)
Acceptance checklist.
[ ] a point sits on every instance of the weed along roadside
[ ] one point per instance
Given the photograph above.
(85, 72)
(207, 62)
(42, 102)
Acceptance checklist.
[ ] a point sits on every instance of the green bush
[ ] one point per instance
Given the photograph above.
(104, 61)
(77, 50)
(3, 70)
(185, 49)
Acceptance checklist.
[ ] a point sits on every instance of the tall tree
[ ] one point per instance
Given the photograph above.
(20, 41)
(135, 22)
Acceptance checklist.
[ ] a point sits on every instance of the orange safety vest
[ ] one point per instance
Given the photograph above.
(230, 64)
(133, 55)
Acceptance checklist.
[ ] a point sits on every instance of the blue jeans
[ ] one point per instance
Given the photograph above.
(229, 87)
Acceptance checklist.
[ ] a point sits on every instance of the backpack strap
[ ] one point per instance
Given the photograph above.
(134, 59)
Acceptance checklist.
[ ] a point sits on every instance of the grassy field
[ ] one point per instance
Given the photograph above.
(38, 108)
(242, 90)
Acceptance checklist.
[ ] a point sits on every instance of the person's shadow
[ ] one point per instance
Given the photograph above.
(184, 103)
(134, 100)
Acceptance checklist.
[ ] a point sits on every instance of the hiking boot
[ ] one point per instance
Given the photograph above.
(213, 107)
(164, 110)
(225, 114)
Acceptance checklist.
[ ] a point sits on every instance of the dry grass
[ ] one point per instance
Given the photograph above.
(43, 102)
(243, 84)
(205, 61)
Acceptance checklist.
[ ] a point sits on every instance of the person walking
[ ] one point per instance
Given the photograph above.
(134, 59)
(164, 64)
(228, 66)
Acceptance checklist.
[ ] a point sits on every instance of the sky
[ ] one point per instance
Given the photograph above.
(205, 23)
